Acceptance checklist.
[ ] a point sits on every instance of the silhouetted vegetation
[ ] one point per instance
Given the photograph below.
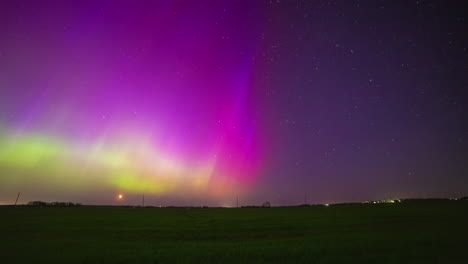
(53, 204)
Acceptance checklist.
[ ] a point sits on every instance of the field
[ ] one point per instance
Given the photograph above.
(408, 232)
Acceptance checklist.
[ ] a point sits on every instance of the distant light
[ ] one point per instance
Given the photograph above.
(120, 196)
(326, 204)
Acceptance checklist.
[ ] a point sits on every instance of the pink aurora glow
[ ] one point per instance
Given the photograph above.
(155, 84)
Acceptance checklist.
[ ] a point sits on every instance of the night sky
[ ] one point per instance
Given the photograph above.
(198, 102)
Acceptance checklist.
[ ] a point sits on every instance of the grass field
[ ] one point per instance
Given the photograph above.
(409, 232)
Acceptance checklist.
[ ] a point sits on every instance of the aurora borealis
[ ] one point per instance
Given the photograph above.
(139, 100)
(202, 101)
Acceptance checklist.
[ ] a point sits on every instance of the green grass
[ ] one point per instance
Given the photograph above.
(410, 232)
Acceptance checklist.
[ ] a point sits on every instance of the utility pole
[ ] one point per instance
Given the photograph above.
(17, 197)
(237, 201)
(305, 199)
(143, 201)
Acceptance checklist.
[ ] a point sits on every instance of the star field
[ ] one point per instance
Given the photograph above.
(200, 102)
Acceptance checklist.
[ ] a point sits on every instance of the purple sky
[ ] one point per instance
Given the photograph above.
(197, 102)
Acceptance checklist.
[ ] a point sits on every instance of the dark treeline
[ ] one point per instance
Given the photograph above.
(53, 204)
(264, 205)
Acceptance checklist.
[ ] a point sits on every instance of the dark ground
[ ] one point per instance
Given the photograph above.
(408, 232)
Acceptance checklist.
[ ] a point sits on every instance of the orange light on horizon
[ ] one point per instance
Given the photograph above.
(120, 196)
